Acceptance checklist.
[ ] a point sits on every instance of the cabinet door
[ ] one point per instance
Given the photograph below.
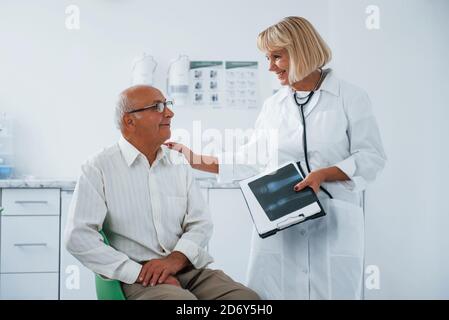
(38, 202)
(36, 286)
(29, 244)
(231, 240)
(76, 281)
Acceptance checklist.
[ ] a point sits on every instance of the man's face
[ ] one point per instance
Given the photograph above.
(149, 125)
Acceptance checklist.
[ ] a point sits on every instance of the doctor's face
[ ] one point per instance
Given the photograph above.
(279, 64)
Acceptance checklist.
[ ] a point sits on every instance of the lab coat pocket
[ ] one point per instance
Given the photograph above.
(345, 228)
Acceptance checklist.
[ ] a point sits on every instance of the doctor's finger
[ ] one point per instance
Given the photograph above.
(175, 145)
(170, 144)
(301, 185)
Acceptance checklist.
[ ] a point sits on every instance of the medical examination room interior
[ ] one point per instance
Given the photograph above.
(63, 64)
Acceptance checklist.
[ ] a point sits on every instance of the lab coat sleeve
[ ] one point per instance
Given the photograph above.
(85, 218)
(250, 158)
(367, 154)
(197, 226)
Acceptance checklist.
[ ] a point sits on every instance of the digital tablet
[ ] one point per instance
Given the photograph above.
(274, 204)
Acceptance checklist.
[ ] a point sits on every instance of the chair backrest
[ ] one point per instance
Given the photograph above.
(108, 289)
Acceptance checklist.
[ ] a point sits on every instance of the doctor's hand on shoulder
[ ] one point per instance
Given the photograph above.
(188, 154)
(197, 161)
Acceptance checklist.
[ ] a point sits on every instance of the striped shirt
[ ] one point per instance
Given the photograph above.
(145, 211)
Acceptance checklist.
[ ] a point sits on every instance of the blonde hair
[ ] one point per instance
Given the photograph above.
(306, 49)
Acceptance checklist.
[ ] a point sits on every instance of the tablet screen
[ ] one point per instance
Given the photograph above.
(275, 193)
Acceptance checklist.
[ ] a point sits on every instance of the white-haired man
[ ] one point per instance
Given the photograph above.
(142, 195)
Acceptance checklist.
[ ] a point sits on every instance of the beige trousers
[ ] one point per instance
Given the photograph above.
(196, 284)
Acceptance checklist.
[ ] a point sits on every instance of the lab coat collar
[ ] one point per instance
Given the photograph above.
(131, 153)
(330, 84)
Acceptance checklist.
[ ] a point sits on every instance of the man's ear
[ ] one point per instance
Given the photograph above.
(128, 122)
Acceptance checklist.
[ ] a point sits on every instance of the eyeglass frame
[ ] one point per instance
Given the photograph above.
(156, 106)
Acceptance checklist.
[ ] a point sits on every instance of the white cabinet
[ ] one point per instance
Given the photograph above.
(231, 240)
(76, 281)
(29, 244)
(36, 286)
(41, 202)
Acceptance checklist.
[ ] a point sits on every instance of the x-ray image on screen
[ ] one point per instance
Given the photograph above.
(276, 195)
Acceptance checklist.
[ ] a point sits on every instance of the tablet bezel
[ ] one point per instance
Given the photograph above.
(261, 221)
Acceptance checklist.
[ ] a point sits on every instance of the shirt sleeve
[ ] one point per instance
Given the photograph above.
(197, 226)
(82, 238)
(251, 157)
(367, 157)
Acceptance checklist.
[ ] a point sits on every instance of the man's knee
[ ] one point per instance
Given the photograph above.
(180, 294)
(243, 293)
(163, 292)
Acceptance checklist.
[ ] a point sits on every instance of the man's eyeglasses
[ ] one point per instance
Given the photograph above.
(159, 107)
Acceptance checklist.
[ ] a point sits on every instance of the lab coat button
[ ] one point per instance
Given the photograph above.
(303, 232)
(305, 271)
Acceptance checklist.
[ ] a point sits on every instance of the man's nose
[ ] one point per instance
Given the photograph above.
(168, 113)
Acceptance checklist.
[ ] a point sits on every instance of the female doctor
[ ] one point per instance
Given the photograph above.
(326, 124)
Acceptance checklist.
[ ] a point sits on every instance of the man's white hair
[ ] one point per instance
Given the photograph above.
(123, 106)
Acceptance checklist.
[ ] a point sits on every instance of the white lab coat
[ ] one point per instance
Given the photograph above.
(321, 258)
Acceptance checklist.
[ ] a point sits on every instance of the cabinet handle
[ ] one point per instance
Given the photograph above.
(42, 244)
(31, 202)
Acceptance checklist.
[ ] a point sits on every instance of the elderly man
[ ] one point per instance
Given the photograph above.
(143, 196)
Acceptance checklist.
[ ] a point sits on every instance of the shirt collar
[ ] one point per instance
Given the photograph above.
(131, 153)
(330, 84)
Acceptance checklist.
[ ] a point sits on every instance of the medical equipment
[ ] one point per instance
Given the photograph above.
(143, 69)
(6, 147)
(274, 204)
(178, 80)
(301, 106)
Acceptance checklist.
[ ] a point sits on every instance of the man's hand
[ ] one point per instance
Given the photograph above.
(172, 281)
(157, 271)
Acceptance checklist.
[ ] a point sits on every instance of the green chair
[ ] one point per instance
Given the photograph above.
(108, 289)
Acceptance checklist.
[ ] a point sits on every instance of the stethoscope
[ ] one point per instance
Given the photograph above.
(303, 118)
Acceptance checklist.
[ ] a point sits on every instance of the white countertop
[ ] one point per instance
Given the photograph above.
(67, 184)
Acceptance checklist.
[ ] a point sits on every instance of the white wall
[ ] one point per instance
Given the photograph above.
(60, 85)
(404, 68)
